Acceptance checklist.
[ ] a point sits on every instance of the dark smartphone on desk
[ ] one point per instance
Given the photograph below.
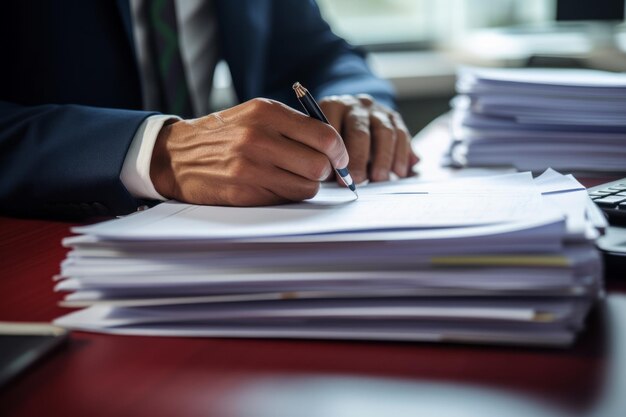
(24, 344)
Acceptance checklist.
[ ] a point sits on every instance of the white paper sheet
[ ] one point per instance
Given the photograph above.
(335, 210)
(474, 260)
(531, 119)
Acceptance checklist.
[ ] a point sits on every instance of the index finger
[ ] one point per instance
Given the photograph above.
(307, 130)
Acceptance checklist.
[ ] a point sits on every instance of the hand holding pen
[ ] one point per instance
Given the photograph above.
(261, 152)
(375, 135)
(313, 110)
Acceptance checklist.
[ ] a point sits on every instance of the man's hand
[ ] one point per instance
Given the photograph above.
(376, 137)
(258, 153)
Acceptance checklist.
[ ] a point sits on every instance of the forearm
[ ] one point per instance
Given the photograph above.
(65, 160)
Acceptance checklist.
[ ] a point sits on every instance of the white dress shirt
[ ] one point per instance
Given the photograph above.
(197, 37)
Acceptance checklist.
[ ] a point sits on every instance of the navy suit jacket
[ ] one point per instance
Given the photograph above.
(70, 93)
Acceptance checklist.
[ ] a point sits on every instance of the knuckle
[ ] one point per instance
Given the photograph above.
(384, 128)
(365, 99)
(382, 117)
(332, 104)
(250, 136)
(357, 123)
(402, 134)
(358, 113)
(332, 101)
(237, 168)
(310, 189)
(217, 116)
(349, 99)
(261, 104)
(327, 139)
(387, 133)
(403, 130)
(344, 100)
(240, 147)
(248, 133)
(319, 168)
(256, 102)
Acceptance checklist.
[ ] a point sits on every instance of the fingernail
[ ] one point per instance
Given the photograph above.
(401, 170)
(381, 175)
(358, 176)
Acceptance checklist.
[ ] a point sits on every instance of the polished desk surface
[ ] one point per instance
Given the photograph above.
(151, 376)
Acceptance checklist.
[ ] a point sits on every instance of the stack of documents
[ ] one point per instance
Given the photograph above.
(532, 119)
(502, 259)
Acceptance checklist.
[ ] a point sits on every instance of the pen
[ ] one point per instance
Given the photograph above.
(313, 110)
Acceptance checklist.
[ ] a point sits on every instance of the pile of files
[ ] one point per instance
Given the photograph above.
(505, 259)
(569, 119)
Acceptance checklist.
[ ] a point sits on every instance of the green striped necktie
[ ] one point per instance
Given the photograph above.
(166, 58)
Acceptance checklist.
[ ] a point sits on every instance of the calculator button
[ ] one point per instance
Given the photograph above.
(623, 193)
(610, 201)
(600, 193)
(618, 187)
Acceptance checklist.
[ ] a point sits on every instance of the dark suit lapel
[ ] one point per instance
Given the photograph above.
(243, 28)
(123, 6)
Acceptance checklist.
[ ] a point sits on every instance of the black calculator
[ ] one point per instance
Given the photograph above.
(611, 198)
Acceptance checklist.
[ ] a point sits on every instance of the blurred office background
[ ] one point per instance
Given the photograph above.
(418, 44)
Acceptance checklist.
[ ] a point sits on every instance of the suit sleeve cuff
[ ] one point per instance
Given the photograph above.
(135, 174)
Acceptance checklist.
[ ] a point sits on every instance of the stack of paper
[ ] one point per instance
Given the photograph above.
(504, 259)
(571, 120)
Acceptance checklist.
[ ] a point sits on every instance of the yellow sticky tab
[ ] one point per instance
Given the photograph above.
(544, 317)
(504, 260)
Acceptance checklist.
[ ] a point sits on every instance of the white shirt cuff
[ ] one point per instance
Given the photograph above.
(135, 173)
